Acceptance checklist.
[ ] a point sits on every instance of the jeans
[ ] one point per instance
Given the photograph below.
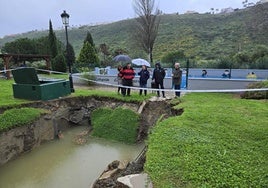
(143, 86)
(177, 87)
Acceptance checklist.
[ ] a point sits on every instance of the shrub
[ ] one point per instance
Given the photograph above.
(59, 63)
(89, 78)
(256, 94)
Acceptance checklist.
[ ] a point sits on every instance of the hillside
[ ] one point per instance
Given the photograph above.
(201, 36)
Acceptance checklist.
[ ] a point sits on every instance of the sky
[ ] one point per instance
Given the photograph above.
(20, 16)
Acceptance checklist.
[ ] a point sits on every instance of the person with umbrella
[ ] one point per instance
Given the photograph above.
(144, 76)
(158, 78)
(128, 75)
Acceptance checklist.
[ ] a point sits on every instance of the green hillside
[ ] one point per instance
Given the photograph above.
(201, 36)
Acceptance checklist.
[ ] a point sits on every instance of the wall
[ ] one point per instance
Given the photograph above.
(23, 139)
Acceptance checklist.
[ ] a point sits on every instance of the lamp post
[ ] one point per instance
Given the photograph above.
(65, 21)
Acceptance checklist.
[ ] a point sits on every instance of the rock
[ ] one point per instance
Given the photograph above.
(136, 181)
(77, 116)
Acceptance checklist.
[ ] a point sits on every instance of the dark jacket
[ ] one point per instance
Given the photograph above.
(176, 78)
(120, 73)
(144, 76)
(159, 73)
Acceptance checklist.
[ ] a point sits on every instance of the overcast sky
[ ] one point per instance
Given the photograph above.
(19, 16)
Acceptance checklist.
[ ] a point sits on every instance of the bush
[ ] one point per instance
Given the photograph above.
(59, 63)
(89, 78)
(115, 124)
(256, 94)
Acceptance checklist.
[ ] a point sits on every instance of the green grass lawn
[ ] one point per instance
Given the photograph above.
(14, 118)
(7, 99)
(115, 124)
(219, 141)
(6, 94)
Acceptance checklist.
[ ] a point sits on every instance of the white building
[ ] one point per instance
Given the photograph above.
(227, 10)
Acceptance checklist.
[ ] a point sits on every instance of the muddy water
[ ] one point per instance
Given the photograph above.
(62, 163)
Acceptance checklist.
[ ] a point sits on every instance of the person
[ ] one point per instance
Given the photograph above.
(226, 74)
(158, 78)
(128, 75)
(204, 73)
(144, 76)
(119, 77)
(176, 78)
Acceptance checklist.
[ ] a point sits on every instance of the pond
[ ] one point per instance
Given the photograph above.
(63, 163)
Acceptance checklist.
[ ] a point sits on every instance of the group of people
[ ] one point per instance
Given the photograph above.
(126, 75)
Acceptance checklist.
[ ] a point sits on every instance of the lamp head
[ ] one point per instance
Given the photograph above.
(65, 18)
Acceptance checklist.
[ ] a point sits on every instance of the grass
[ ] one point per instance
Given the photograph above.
(18, 117)
(135, 97)
(6, 94)
(115, 124)
(219, 141)
(7, 99)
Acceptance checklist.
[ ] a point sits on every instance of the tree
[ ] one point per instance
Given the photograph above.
(170, 58)
(146, 27)
(53, 47)
(59, 63)
(87, 56)
(225, 62)
(89, 39)
(27, 46)
(212, 10)
(261, 63)
(20, 46)
(70, 54)
(242, 59)
(104, 49)
(42, 45)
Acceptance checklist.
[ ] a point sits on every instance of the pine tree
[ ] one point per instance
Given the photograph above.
(88, 57)
(59, 63)
(70, 54)
(89, 39)
(53, 47)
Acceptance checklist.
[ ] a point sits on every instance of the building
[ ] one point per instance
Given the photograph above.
(227, 10)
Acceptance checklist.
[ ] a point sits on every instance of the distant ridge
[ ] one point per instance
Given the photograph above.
(202, 36)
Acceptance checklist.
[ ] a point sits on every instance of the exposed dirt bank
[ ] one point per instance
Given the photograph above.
(67, 112)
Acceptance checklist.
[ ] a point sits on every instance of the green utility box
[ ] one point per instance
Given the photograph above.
(28, 86)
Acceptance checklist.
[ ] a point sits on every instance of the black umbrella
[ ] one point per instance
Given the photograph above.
(122, 58)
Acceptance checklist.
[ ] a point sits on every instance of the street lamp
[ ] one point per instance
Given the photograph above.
(65, 21)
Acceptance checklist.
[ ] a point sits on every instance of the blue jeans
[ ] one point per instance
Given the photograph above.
(143, 86)
(177, 87)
